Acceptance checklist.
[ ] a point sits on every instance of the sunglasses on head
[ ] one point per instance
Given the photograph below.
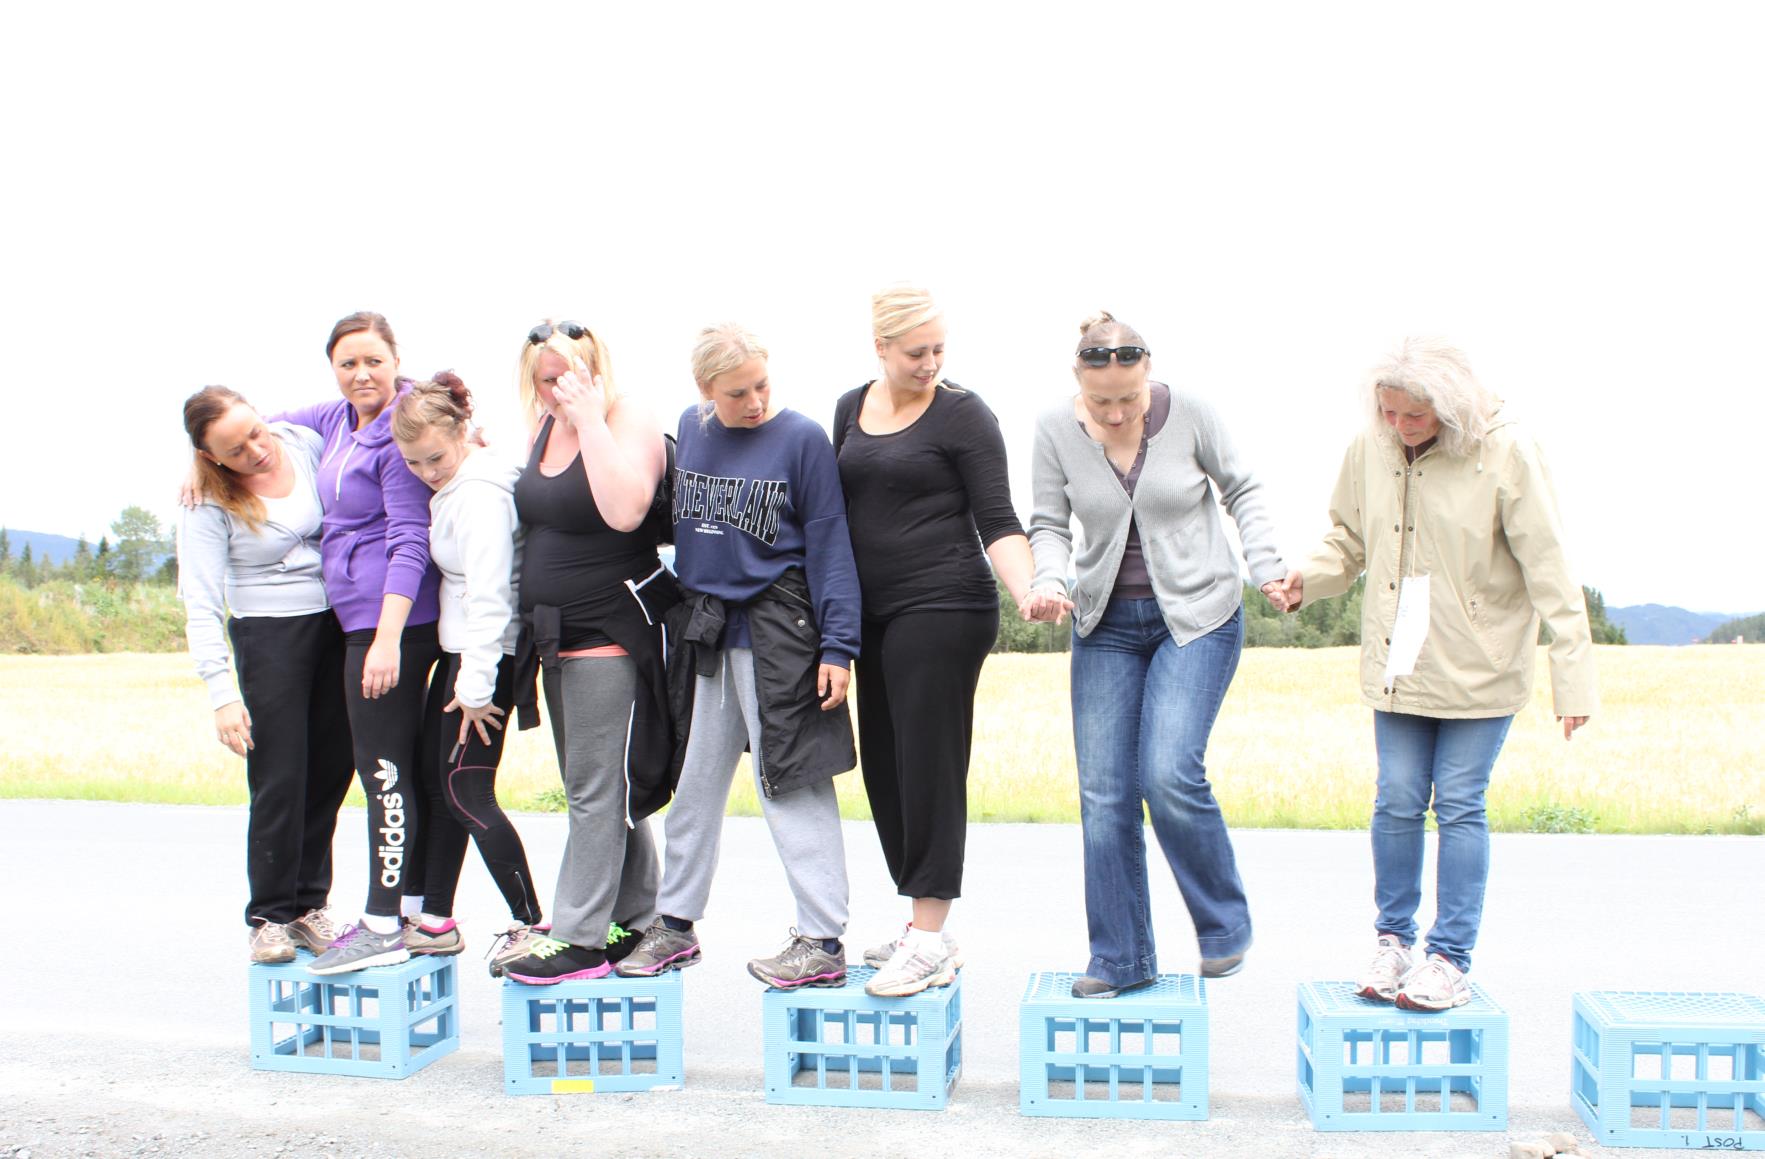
(1125, 355)
(575, 331)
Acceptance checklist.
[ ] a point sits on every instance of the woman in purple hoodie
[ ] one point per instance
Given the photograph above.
(374, 550)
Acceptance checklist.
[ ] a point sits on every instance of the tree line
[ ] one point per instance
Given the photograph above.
(142, 553)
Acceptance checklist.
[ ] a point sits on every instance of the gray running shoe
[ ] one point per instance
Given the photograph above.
(314, 930)
(909, 971)
(878, 956)
(802, 962)
(270, 944)
(661, 949)
(1085, 986)
(512, 945)
(358, 948)
(447, 940)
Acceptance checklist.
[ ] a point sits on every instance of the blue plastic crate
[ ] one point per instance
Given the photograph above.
(594, 1035)
(1670, 1069)
(1368, 1066)
(386, 1022)
(1142, 1055)
(839, 1047)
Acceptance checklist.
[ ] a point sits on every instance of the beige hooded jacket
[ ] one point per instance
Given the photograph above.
(1485, 528)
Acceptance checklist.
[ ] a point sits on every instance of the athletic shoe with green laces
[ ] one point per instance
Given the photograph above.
(314, 930)
(420, 939)
(908, 971)
(659, 950)
(270, 944)
(620, 942)
(358, 948)
(550, 961)
(802, 962)
(878, 956)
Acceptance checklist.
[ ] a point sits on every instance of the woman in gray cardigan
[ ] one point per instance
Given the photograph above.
(1156, 637)
(249, 572)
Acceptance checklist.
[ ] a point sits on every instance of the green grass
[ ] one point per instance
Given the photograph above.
(1674, 749)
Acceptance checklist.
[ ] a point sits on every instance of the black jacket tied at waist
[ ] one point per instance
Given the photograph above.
(800, 744)
(631, 614)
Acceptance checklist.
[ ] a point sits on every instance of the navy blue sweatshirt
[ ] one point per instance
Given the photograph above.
(749, 505)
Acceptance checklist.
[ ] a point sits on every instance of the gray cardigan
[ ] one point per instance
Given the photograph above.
(225, 566)
(1193, 569)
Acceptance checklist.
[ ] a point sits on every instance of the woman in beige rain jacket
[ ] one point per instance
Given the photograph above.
(1446, 505)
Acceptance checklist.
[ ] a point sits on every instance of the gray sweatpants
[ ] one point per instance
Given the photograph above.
(609, 871)
(805, 822)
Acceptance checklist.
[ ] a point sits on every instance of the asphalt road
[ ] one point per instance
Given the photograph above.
(123, 1024)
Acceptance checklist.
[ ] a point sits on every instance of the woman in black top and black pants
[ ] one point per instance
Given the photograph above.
(592, 597)
(922, 463)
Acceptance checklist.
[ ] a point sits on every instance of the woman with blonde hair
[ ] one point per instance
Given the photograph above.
(473, 538)
(249, 572)
(1157, 633)
(1449, 621)
(593, 593)
(762, 550)
(928, 502)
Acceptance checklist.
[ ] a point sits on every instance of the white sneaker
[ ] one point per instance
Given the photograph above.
(908, 971)
(1384, 976)
(878, 956)
(1436, 984)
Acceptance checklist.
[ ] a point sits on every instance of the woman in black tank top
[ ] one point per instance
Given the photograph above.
(592, 597)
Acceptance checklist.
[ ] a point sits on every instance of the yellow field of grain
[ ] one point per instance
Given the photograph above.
(1678, 747)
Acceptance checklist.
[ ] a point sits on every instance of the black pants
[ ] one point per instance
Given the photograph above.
(917, 675)
(291, 679)
(460, 781)
(388, 757)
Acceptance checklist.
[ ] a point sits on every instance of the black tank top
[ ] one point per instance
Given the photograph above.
(570, 552)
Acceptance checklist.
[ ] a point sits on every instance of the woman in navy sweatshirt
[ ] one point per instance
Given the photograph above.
(761, 546)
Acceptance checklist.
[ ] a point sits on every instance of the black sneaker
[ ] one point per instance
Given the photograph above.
(550, 961)
(620, 942)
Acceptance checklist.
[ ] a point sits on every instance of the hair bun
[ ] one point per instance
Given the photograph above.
(456, 390)
(1095, 320)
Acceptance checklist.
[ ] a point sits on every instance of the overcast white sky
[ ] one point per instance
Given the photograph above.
(1271, 193)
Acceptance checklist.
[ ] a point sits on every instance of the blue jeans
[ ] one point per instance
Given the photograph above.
(1142, 708)
(1423, 757)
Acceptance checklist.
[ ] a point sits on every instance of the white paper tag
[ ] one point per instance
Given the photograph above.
(1410, 630)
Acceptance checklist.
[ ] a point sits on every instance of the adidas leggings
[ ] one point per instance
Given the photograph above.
(460, 782)
(387, 736)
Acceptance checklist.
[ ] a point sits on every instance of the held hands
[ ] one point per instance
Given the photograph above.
(380, 669)
(1285, 595)
(475, 718)
(232, 725)
(830, 684)
(581, 399)
(1570, 724)
(1044, 606)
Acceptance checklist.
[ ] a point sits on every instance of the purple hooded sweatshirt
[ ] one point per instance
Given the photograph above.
(375, 539)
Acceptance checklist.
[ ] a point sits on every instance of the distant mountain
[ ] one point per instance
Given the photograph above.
(44, 546)
(1658, 624)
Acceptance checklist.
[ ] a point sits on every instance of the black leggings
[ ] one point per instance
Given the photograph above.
(917, 675)
(291, 680)
(388, 748)
(460, 781)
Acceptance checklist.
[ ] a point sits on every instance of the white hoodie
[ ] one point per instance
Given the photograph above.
(474, 539)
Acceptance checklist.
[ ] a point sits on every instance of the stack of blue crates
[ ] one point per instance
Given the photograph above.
(386, 1022)
(1142, 1055)
(839, 1047)
(1670, 1069)
(1369, 1066)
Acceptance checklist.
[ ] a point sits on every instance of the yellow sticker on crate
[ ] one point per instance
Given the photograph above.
(572, 1086)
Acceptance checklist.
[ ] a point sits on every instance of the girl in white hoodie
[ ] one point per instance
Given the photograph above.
(473, 537)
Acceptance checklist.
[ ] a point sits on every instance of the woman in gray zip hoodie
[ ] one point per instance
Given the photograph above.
(248, 569)
(1157, 634)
